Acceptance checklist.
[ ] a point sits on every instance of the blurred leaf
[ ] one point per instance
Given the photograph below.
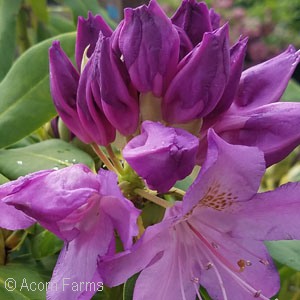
(8, 18)
(45, 244)
(3, 179)
(82, 7)
(25, 101)
(292, 92)
(39, 8)
(293, 175)
(152, 214)
(286, 252)
(58, 25)
(129, 287)
(45, 155)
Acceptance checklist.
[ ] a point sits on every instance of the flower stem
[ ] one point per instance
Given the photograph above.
(103, 158)
(114, 159)
(153, 198)
(177, 191)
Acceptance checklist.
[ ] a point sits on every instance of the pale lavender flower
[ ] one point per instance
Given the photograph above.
(215, 236)
(81, 208)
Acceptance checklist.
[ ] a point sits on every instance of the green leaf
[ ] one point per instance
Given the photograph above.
(25, 100)
(129, 287)
(292, 92)
(82, 7)
(286, 252)
(3, 179)
(26, 276)
(45, 244)
(39, 7)
(8, 19)
(50, 154)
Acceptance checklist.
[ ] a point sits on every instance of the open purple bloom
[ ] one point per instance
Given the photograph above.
(215, 236)
(150, 47)
(83, 209)
(162, 155)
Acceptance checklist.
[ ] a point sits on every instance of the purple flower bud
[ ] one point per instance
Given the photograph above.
(237, 56)
(87, 35)
(150, 47)
(63, 85)
(201, 79)
(214, 19)
(266, 82)
(89, 104)
(194, 18)
(162, 155)
(119, 98)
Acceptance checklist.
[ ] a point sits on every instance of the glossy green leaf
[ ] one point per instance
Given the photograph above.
(50, 154)
(129, 287)
(25, 100)
(8, 18)
(22, 279)
(286, 252)
(45, 244)
(292, 92)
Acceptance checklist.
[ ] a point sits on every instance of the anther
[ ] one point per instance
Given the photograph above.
(215, 245)
(242, 264)
(195, 280)
(264, 262)
(257, 294)
(209, 265)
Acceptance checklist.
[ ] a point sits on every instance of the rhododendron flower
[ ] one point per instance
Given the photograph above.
(256, 118)
(81, 208)
(162, 155)
(215, 236)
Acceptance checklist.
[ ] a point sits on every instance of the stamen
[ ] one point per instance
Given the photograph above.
(209, 265)
(221, 258)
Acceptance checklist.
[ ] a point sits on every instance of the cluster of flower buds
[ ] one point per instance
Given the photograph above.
(180, 72)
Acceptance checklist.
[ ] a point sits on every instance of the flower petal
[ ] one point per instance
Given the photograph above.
(150, 47)
(87, 35)
(63, 85)
(202, 75)
(266, 82)
(194, 18)
(89, 104)
(119, 98)
(75, 275)
(173, 149)
(121, 211)
(59, 194)
(273, 128)
(271, 216)
(214, 188)
(120, 267)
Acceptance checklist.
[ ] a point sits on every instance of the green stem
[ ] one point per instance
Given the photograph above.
(103, 158)
(153, 198)
(114, 159)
